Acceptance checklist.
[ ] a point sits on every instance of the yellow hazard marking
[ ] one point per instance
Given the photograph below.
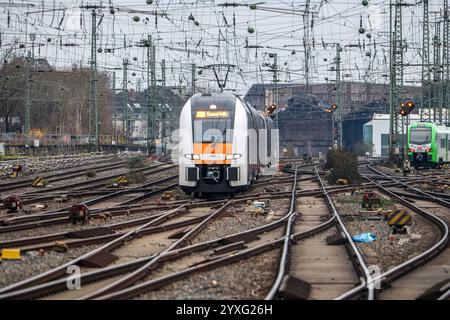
(37, 181)
(392, 213)
(122, 180)
(395, 218)
(11, 254)
(405, 220)
(399, 218)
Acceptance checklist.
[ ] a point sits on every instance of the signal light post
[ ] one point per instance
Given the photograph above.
(335, 131)
(405, 109)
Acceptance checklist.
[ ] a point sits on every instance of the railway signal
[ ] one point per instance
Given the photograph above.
(271, 109)
(407, 107)
(332, 109)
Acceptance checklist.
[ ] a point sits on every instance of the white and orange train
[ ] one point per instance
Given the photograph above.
(225, 144)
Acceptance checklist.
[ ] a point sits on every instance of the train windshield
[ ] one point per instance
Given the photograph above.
(420, 136)
(213, 131)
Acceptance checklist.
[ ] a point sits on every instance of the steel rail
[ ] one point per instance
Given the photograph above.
(102, 180)
(64, 212)
(60, 271)
(425, 256)
(112, 271)
(431, 196)
(409, 265)
(145, 270)
(283, 263)
(354, 252)
(116, 243)
(60, 175)
(144, 287)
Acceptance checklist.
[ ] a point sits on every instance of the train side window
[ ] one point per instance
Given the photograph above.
(442, 143)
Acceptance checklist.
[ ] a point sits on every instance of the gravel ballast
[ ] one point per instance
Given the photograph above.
(31, 264)
(388, 250)
(247, 280)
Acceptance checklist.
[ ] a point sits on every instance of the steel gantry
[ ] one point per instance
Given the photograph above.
(125, 101)
(437, 73)
(339, 94)
(193, 79)
(93, 109)
(163, 105)
(151, 96)
(446, 62)
(396, 126)
(425, 110)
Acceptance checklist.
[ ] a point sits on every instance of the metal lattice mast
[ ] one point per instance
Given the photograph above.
(306, 42)
(151, 96)
(396, 61)
(114, 82)
(437, 68)
(338, 88)
(93, 112)
(163, 104)
(425, 113)
(193, 78)
(149, 101)
(28, 98)
(125, 101)
(276, 98)
(446, 62)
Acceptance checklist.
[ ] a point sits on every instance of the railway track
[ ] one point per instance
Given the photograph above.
(298, 268)
(385, 279)
(96, 182)
(131, 279)
(50, 164)
(12, 224)
(410, 274)
(367, 284)
(189, 235)
(62, 216)
(60, 176)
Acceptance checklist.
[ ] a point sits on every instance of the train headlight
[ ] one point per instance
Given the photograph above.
(192, 156)
(428, 150)
(233, 156)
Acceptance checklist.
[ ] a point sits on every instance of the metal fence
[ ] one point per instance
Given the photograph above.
(56, 139)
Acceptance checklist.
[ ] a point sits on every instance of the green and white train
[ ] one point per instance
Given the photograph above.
(428, 144)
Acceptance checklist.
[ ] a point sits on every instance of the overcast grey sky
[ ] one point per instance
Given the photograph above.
(221, 36)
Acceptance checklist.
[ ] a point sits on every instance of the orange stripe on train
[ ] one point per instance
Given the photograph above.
(210, 148)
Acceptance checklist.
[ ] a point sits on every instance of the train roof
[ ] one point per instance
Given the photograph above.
(438, 127)
(231, 95)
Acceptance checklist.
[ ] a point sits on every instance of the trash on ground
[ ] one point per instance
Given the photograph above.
(364, 237)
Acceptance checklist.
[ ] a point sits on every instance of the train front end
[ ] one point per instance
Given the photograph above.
(212, 155)
(422, 150)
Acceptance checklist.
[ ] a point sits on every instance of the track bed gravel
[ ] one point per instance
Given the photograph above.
(246, 280)
(12, 271)
(384, 252)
